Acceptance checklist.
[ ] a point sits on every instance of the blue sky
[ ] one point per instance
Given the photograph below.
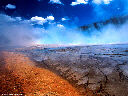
(79, 12)
(26, 22)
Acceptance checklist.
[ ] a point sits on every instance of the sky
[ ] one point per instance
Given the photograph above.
(24, 22)
(79, 12)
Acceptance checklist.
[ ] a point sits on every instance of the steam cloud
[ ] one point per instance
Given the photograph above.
(15, 32)
(110, 34)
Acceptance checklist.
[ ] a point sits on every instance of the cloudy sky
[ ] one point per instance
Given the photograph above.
(78, 12)
(24, 22)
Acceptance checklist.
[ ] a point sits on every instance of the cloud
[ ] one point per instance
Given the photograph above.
(41, 20)
(64, 18)
(102, 1)
(18, 18)
(60, 25)
(77, 2)
(51, 18)
(55, 1)
(38, 20)
(10, 6)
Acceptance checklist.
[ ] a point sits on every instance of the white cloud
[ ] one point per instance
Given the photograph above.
(38, 20)
(102, 1)
(107, 1)
(50, 18)
(97, 1)
(79, 2)
(41, 20)
(60, 26)
(10, 6)
(55, 1)
(65, 18)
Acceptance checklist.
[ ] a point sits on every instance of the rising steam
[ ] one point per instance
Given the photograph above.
(110, 34)
(15, 32)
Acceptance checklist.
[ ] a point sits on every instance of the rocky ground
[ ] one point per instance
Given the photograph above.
(100, 68)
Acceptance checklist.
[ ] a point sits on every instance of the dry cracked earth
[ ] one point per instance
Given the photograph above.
(94, 70)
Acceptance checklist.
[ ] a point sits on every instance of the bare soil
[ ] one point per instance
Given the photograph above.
(19, 75)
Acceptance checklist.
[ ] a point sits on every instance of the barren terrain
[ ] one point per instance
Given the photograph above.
(19, 75)
(93, 70)
(100, 68)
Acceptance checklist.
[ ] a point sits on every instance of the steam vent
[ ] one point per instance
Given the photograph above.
(63, 48)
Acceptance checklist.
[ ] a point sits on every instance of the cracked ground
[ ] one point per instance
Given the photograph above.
(94, 70)
(103, 69)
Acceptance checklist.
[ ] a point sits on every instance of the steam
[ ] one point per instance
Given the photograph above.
(110, 34)
(13, 32)
(17, 32)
